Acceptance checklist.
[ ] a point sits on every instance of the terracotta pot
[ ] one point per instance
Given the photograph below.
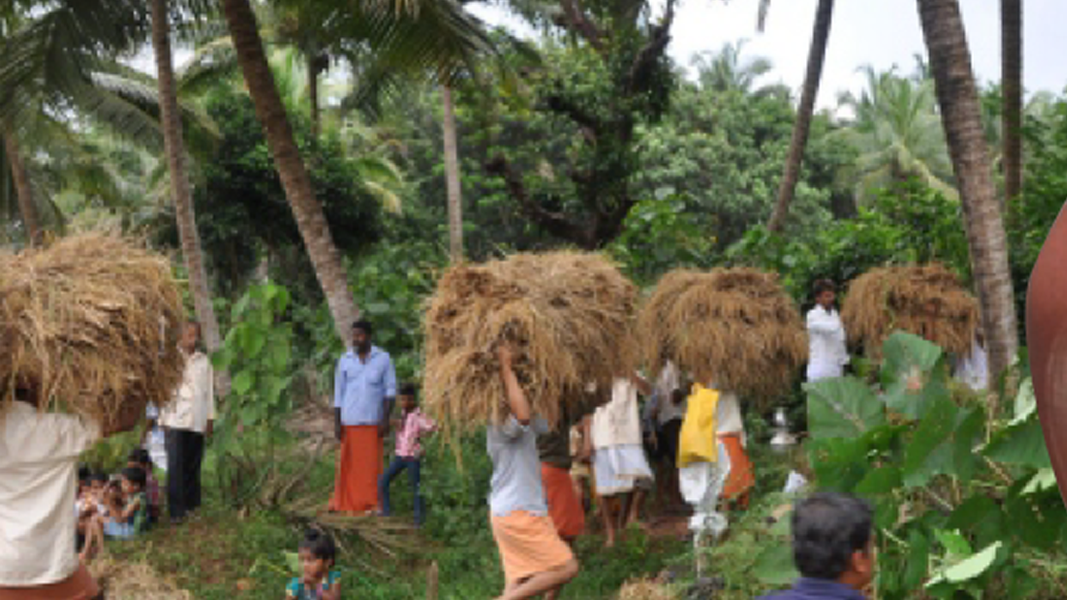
(1046, 331)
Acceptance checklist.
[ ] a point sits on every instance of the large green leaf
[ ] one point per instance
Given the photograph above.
(929, 452)
(842, 408)
(910, 375)
(880, 481)
(1021, 444)
(839, 464)
(968, 568)
(242, 382)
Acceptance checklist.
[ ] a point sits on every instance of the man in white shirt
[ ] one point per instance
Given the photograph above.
(38, 481)
(827, 353)
(188, 419)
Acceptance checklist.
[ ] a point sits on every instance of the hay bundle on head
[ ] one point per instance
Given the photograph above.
(927, 300)
(569, 315)
(89, 324)
(734, 327)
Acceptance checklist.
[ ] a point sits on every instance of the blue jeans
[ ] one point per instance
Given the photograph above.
(398, 464)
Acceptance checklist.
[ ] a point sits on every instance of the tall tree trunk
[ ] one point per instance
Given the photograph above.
(307, 211)
(455, 200)
(957, 97)
(1011, 67)
(816, 55)
(23, 189)
(313, 92)
(174, 147)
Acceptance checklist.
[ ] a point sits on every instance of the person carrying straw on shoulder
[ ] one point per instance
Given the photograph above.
(535, 559)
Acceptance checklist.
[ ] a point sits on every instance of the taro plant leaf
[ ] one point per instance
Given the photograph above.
(1037, 521)
(1021, 444)
(842, 408)
(964, 440)
(968, 568)
(929, 452)
(774, 566)
(955, 544)
(980, 516)
(840, 464)
(918, 559)
(910, 374)
(880, 481)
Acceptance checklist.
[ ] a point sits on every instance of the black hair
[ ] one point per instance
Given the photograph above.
(409, 389)
(84, 474)
(135, 475)
(365, 326)
(139, 456)
(101, 477)
(320, 544)
(822, 285)
(827, 529)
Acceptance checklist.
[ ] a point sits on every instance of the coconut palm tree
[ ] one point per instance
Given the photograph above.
(816, 55)
(957, 96)
(725, 70)
(428, 33)
(1011, 57)
(455, 199)
(897, 132)
(174, 148)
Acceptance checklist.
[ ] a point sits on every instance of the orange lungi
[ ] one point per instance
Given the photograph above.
(528, 545)
(741, 478)
(563, 504)
(79, 586)
(359, 465)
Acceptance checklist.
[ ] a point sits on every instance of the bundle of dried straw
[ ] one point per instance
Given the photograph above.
(90, 324)
(734, 327)
(927, 300)
(569, 315)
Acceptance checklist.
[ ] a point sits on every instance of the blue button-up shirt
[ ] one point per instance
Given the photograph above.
(809, 588)
(360, 388)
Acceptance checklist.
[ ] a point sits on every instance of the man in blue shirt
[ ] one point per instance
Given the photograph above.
(832, 548)
(363, 393)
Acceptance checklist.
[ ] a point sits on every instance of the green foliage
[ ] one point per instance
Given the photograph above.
(908, 223)
(949, 520)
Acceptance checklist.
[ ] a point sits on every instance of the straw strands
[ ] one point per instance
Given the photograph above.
(569, 314)
(134, 581)
(91, 325)
(735, 327)
(645, 589)
(926, 300)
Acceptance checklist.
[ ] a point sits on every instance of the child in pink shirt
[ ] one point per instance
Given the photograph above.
(413, 425)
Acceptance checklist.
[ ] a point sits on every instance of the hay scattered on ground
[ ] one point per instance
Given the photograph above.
(134, 581)
(928, 301)
(645, 589)
(569, 314)
(735, 327)
(91, 323)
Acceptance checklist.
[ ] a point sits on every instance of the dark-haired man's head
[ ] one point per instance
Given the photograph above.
(317, 554)
(832, 539)
(824, 292)
(362, 331)
(407, 395)
(139, 457)
(190, 337)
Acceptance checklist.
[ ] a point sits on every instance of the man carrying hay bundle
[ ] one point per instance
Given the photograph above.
(536, 561)
(87, 326)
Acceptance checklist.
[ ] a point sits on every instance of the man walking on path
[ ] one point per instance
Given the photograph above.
(827, 355)
(187, 421)
(363, 393)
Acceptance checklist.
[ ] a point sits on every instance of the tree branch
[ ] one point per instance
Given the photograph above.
(653, 50)
(589, 125)
(579, 23)
(553, 222)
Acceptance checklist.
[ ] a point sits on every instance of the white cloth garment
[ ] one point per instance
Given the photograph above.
(618, 423)
(973, 370)
(701, 484)
(666, 384)
(194, 400)
(38, 483)
(728, 416)
(827, 353)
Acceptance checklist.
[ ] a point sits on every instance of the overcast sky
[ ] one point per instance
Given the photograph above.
(878, 32)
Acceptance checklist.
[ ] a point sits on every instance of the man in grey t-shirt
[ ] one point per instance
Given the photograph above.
(536, 561)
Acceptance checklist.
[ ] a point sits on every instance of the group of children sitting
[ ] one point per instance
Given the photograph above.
(121, 506)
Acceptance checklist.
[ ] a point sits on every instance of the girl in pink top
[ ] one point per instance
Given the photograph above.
(412, 426)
